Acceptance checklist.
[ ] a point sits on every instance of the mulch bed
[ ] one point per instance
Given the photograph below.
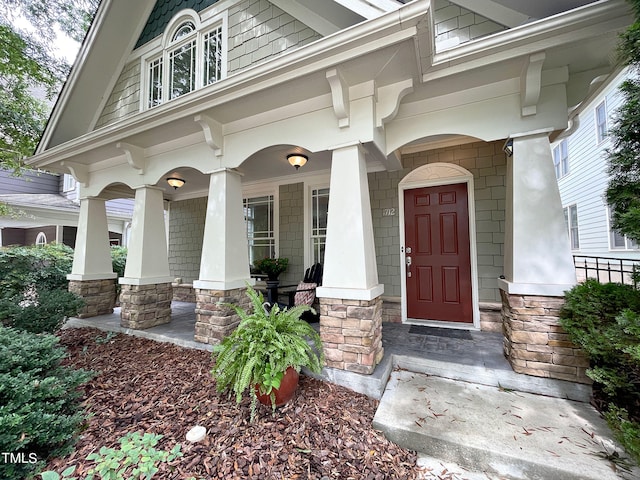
(147, 386)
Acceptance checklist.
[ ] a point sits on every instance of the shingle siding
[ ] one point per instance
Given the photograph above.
(487, 163)
(257, 32)
(186, 234)
(455, 25)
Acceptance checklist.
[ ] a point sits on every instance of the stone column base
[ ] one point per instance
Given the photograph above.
(145, 306)
(351, 333)
(99, 295)
(214, 321)
(184, 292)
(534, 341)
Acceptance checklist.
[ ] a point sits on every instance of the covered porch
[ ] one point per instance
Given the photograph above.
(471, 356)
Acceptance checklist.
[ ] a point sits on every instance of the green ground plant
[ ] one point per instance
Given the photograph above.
(137, 458)
(604, 319)
(39, 400)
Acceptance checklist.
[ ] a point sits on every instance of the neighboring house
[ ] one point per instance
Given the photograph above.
(399, 116)
(581, 168)
(45, 209)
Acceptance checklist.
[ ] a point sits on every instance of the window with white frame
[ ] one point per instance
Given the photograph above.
(601, 122)
(571, 221)
(561, 159)
(319, 214)
(191, 56)
(259, 216)
(69, 183)
(618, 241)
(41, 239)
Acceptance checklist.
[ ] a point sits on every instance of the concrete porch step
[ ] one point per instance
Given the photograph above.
(504, 434)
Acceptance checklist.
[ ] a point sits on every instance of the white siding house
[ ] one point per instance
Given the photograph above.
(583, 186)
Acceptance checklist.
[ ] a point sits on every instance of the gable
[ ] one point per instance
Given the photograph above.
(162, 13)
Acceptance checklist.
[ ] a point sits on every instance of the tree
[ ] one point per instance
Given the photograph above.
(30, 74)
(623, 191)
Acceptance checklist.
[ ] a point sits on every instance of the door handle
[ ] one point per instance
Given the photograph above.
(408, 259)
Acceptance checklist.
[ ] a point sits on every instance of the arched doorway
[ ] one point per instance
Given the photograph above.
(438, 247)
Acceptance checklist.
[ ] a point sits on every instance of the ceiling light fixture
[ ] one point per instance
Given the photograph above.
(297, 160)
(175, 182)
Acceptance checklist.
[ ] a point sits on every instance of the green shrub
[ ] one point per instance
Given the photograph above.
(39, 407)
(119, 259)
(604, 319)
(45, 267)
(42, 312)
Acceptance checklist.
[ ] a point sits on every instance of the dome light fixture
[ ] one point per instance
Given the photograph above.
(297, 160)
(175, 182)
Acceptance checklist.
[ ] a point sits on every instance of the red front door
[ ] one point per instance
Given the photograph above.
(437, 246)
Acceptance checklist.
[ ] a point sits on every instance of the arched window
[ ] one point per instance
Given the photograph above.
(41, 239)
(191, 58)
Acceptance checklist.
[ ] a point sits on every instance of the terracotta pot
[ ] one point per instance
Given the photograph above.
(286, 391)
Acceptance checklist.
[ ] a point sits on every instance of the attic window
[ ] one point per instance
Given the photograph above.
(190, 57)
(183, 30)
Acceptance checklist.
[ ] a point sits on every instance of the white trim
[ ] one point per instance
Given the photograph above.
(274, 192)
(91, 276)
(431, 175)
(144, 280)
(534, 288)
(351, 293)
(310, 184)
(230, 285)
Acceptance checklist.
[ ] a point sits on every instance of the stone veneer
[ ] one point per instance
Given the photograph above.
(351, 332)
(534, 341)
(99, 296)
(145, 306)
(183, 292)
(214, 319)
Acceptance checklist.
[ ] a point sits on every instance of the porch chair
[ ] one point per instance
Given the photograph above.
(304, 292)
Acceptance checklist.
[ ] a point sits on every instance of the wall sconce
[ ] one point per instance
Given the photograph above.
(508, 147)
(175, 182)
(297, 160)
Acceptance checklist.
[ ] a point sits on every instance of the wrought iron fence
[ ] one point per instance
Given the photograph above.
(606, 269)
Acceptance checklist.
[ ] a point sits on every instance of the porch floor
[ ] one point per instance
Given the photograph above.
(471, 356)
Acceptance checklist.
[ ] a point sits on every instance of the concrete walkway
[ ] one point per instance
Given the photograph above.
(451, 396)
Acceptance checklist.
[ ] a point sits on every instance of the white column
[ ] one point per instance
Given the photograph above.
(224, 264)
(147, 261)
(350, 269)
(59, 233)
(538, 258)
(92, 256)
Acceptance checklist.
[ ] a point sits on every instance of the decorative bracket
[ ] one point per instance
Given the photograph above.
(531, 83)
(388, 100)
(134, 156)
(212, 130)
(340, 96)
(78, 171)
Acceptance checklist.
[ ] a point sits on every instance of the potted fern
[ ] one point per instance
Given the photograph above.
(265, 353)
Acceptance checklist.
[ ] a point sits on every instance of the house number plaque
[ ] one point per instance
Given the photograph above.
(388, 212)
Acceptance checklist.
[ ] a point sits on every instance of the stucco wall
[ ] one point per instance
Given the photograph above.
(487, 163)
(291, 239)
(257, 31)
(455, 25)
(186, 233)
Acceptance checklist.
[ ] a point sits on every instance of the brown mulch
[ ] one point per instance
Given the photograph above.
(147, 386)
